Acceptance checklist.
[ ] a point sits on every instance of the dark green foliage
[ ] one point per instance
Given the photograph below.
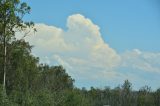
(75, 97)
(157, 97)
(145, 97)
(11, 15)
(126, 94)
(3, 97)
(123, 96)
(29, 83)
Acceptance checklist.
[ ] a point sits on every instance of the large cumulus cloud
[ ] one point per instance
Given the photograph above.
(85, 55)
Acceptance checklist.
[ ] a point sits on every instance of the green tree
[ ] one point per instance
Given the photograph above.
(126, 93)
(23, 72)
(3, 97)
(157, 97)
(145, 97)
(55, 78)
(115, 97)
(75, 98)
(11, 15)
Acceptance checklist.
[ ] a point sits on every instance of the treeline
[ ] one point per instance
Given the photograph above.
(26, 82)
(29, 83)
(122, 96)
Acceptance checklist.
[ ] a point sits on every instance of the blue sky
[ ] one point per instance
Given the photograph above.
(127, 26)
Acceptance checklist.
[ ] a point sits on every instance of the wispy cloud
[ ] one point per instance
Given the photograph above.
(145, 61)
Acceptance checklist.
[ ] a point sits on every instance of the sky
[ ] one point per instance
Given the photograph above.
(99, 42)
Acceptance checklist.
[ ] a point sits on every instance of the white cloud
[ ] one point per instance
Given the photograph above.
(85, 55)
(81, 42)
(45, 60)
(62, 62)
(145, 61)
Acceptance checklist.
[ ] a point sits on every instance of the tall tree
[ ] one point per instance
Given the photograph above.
(126, 93)
(157, 97)
(145, 97)
(11, 15)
